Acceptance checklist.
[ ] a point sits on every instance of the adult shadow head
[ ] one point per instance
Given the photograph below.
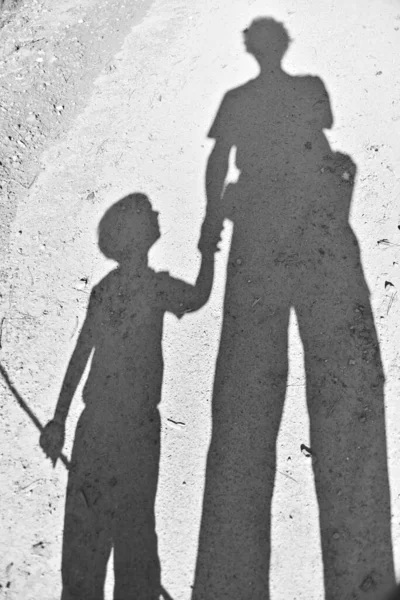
(292, 248)
(113, 475)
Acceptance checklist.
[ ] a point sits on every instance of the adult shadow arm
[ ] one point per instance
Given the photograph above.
(216, 172)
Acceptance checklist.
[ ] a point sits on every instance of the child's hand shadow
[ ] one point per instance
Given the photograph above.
(52, 440)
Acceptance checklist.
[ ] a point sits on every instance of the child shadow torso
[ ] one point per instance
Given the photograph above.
(114, 468)
(127, 314)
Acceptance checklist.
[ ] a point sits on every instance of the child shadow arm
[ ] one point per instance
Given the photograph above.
(74, 372)
(195, 297)
(191, 298)
(188, 298)
(53, 435)
(179, 297)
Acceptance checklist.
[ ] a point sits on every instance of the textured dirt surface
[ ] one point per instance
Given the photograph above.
(99, 100)
(50, 56)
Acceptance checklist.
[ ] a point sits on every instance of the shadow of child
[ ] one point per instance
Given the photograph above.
(115, 458)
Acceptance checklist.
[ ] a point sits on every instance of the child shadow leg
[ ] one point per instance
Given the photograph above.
(86, 547)
(136, 563)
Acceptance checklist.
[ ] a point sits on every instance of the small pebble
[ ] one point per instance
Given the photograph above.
(239, 261)
(368, 584)
(336, 536)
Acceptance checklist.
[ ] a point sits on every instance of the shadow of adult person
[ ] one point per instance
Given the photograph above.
(115, 458)
(292, 246)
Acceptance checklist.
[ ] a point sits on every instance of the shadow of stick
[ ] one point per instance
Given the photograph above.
(165, 594)
(40, 428)
(27, 410)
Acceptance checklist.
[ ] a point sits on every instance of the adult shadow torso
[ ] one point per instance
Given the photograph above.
(292, 247)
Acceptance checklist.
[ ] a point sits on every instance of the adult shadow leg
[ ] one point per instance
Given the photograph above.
(346, 406)
(249, 391)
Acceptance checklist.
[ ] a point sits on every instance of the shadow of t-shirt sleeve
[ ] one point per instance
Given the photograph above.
(225, 123)
(174, 295)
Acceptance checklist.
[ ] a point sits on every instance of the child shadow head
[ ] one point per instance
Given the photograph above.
(267, 40)
(128, 230)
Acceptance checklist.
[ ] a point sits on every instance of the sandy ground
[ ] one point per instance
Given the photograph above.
(128, 101)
